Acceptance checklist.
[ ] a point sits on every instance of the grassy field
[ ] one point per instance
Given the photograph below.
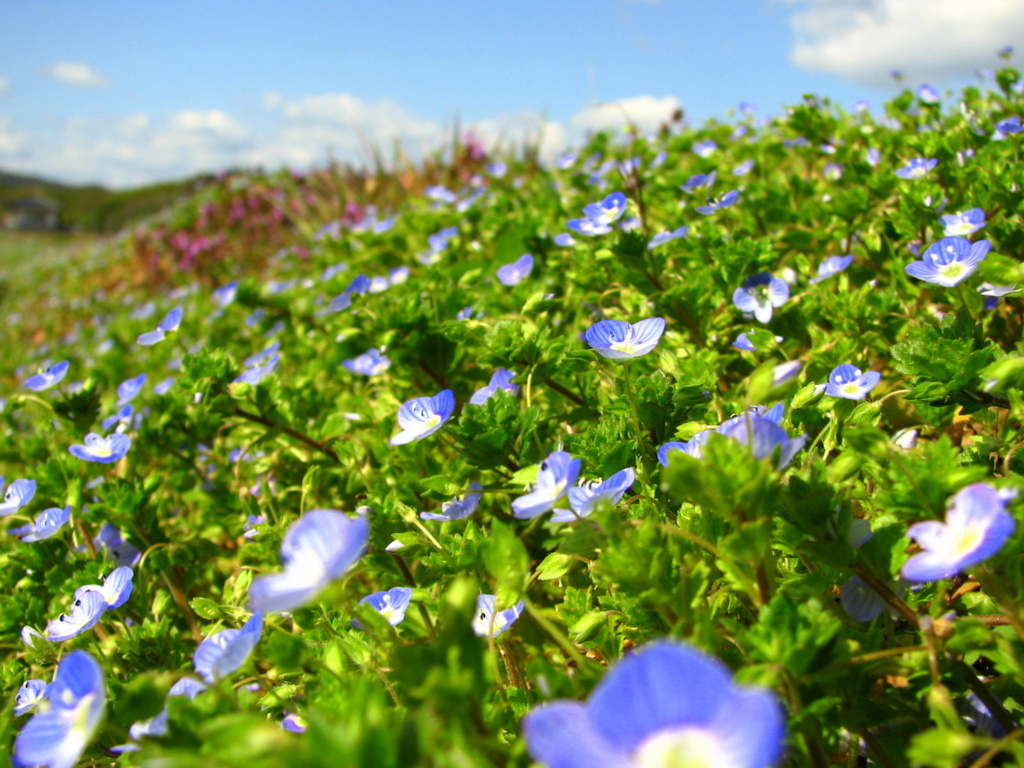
(28, 258)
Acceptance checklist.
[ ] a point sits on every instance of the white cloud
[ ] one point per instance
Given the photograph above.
(645, 112)
(512, 133)
(78, 75)
(312, 128)
(928, 40)
(133, 150)
(4, 84)
(10, 142)
(294, 132)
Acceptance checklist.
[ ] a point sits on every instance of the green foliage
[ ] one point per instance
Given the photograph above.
(748, 556)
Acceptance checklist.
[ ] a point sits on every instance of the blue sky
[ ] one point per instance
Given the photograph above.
(124, 93)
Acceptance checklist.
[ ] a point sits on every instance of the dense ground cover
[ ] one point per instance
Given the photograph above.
(754, 397)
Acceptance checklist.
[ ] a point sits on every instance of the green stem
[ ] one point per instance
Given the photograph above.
(994, 588)
(641, 441)
(963, 301)
(557, 636)
(301, 437)
(563, 391)
(886, 593)
(411, 581)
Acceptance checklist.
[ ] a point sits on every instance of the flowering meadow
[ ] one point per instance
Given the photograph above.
(693, 449)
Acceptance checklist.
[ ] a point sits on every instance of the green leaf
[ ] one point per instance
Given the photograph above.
(554, 566)
(285, 651)
(506, 559)
(207, 609)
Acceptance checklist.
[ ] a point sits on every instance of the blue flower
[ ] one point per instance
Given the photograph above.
(618, 340)
(598, 216)
(848, 381)
(784, 372)
(665, 704)
(164, 386)
(1010, 126)
(128, 390)
(963, 223)
(977, 525)
(423, 416)
(318, 548)
(564, 240)
(115, 590)
(31, 694)
(502, 379)
(440, 194)
(763, 435)
(692, 447)
(517, 271)
(556, 474)
(392, 604)
(224, 295)
(589, 495)
(665, 237)
(58, 737)
(949, 261)
(588, 227)
(760, 294)
(256, 374)
(832, 171)
(123, 416)
(103, 450)
(360, 284)
(699, 181)
(917, 168)
(251, 529)
(872, 157)
(170, 323)
(743, 168)
(223, 653)
(487, 622)
(87, 609)
(48, 378)
(19, 493)
(715, 204)
(862, 602)
(608, 210)
(370, 363)
(46, 525)
(122, 552)
(158, 724)
(437, 242)
(261, 357)
(927, 94)
(704, 148)
(743, 343)
(830, 267)
(339, 303)
(458, 508)
(993, 293)
(774, 414)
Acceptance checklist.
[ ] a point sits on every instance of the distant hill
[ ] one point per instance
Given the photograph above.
(8, 179)
(94, 208)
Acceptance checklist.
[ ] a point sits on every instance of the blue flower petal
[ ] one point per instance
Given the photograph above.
(560, 735)
(658, 687)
